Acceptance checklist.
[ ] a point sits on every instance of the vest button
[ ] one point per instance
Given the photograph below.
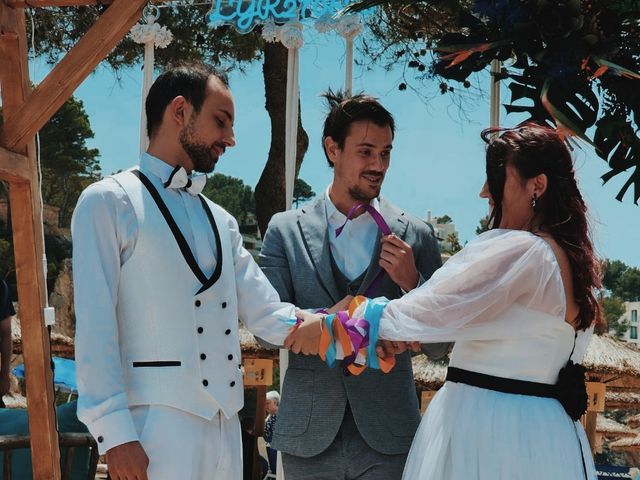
(100, 439)
(230, 357)
(205, 382)
(203, 356)
(198, 303)
(224, 304)
(227, 331)
(232, 384)
(200, 329)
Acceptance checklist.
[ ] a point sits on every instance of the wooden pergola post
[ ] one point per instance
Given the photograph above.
(25, 112)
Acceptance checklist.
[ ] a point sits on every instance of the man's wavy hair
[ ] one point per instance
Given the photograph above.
(534, 149)
(345, 110)
(188, 79)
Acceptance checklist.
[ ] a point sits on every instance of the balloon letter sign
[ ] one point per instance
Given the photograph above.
(246, 14)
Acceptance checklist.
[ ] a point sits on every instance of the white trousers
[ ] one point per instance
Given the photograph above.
(181, 446)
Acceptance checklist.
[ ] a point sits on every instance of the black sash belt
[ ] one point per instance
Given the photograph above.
(500, 384)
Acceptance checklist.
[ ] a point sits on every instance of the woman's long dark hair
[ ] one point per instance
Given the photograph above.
(534, 149)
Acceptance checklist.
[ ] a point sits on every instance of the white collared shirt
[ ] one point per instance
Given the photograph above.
(353, 249)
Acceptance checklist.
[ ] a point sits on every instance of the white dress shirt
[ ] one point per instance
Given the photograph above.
(353, 249)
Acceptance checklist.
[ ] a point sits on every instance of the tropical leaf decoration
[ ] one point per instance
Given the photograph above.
(574, 64)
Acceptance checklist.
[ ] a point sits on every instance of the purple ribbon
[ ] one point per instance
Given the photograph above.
(382, 226)
(358, 340)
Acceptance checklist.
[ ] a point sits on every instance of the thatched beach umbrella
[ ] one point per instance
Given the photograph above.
(251, 348)
(608, 430)
(631, 444)
(623, 400)
(429, 374)
(61, 345)
(608, 358)
(633, 421)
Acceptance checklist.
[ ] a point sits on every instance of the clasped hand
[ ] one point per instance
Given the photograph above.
(305, 337)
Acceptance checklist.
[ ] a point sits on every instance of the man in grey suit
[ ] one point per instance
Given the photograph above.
(332, 425)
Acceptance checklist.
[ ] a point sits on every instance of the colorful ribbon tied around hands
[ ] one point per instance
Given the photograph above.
(349, 337)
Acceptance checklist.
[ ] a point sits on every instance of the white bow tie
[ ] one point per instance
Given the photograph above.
(180, 179)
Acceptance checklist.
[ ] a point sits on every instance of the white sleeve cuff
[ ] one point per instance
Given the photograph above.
(113, 430)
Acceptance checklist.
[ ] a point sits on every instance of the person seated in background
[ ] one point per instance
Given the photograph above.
(271, 407)
(6, 345)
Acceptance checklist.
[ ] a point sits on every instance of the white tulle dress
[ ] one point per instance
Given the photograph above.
(502, 301)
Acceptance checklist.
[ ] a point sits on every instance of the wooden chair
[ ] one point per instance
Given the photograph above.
(68, 443)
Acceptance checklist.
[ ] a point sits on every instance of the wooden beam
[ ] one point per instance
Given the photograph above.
(28, 251)
(13, 166)
(54, 3)
(62, 3)
(22, 124)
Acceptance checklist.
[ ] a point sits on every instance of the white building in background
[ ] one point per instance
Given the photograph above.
(442, 230)
(631, 317)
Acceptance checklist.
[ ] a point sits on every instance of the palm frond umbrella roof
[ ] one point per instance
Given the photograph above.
(622, 399)
(607, 354)
(633, 421)
(250, 346)
(61, 345)
(609, 427)
(429, 374)
(631, 444)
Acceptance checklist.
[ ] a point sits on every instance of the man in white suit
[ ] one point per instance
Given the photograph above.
(161, 278)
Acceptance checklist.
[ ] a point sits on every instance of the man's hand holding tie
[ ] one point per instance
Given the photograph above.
(396, 258)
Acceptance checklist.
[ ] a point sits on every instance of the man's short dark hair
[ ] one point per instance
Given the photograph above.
(186, 79)
(345, 110)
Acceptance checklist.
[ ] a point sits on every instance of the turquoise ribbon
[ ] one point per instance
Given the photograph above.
(372, 314)
(330, 355)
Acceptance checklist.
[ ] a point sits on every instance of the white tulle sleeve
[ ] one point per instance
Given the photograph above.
(466, 298)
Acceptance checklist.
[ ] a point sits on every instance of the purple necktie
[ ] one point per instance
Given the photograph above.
(382, 226)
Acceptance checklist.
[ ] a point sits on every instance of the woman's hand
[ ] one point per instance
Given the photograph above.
(305, 338)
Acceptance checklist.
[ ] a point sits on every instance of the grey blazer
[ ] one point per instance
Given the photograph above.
(296, 259)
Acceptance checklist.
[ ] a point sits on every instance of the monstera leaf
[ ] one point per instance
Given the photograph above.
(618, 144)
(527, 87)
(458, 56)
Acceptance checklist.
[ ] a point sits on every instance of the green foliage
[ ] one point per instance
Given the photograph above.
(621, 280)
(302, 192)
(612, 270)
(556, 56)
(58, 29)
(484, 225)
(454, 243)
(443, 219)
(231, 194)
(628, 285)
(68, 165)
(613, 310)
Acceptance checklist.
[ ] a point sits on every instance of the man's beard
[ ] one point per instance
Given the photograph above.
(201, 155)
(359, 195)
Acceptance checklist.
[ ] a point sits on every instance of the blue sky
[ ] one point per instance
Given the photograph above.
(437, 161)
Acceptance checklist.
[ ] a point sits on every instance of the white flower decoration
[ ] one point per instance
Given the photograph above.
(270, 31)
(349, 26)
(291, 35)
(147, 33)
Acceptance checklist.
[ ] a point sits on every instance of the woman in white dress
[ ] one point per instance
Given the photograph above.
(519, 301)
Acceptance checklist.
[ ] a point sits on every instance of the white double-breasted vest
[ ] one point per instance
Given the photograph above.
(178, 327)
